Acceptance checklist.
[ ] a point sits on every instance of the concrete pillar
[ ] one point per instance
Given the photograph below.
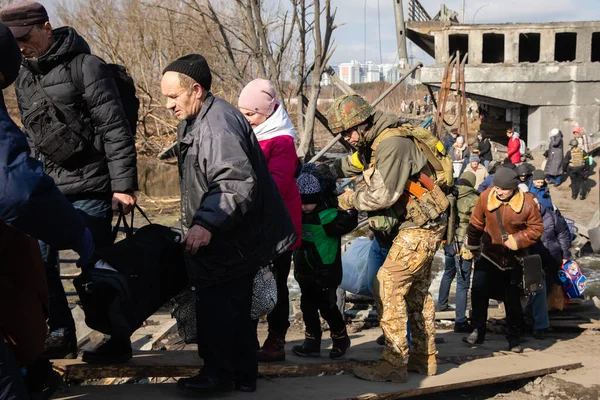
(534, 128)
(511, 47)
(475, 47)
(584, 46)
(547, 41)
(442, 47)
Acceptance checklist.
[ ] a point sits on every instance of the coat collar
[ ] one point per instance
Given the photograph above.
(516, 202)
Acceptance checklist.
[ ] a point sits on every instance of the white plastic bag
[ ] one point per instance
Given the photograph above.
(355, 267)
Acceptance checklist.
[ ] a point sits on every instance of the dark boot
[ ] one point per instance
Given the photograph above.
(204, 384)
(463, 327)
(341, 343)
(41, 380)
(381, 340)
(514, 344)
(273, 349)
(310, 348)
(61, 343)
(113, 351)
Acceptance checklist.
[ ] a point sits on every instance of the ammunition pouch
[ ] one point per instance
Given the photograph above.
(383, 220)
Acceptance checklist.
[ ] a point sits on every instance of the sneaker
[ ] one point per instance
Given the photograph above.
(311, 347)
(514, 345)
(113, 351)
(447, 307)
(61, 343)
(382, 371)
(205, 384)
(463, 327)
(474, 338)
(341, 344)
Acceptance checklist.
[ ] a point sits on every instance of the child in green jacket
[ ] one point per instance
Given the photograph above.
(318, 262)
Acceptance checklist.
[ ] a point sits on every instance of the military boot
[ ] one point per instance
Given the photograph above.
(341, 343)
(310, 348)
(422, 363)
(273, 348)
(382, 371)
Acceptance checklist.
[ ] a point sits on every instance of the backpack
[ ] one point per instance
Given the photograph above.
(125, 86)
(439, 161)
(573, 282)
(522, 147)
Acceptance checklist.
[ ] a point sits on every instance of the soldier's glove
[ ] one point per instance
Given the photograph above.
(466, 254)
(346, 200)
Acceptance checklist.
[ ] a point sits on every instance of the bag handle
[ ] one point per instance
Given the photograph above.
(127, 226)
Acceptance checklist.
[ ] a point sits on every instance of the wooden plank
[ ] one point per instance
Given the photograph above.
(450, 377)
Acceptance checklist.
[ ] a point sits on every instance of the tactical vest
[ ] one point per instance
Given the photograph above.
(576, 158)
(423, 200)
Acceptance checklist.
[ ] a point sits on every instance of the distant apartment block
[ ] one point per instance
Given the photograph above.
(354, 72)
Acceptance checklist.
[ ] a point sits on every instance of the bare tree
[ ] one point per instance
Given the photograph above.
(323, 50)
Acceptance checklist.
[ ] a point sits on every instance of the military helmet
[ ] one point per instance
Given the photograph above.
(348, 111)
(574, 143)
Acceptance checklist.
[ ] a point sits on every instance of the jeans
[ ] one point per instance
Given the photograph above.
(279, 318)
(556, 179)
(227, 339)
(377, 256)
(12, 385)
(97, 215)
(539, 308)
(486, 163)
(462, 283)
(376, 259)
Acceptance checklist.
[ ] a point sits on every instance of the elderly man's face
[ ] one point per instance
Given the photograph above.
(474, 165)
(184, 102)
(37, 42)
(504, 194)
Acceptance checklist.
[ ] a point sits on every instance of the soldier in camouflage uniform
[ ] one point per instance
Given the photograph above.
(402, 283)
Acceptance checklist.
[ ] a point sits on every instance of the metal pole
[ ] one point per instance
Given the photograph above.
(401, 33)
(463, 10)
(395, 85)
(379, 99)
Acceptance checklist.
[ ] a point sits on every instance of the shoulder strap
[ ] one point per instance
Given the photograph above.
(388, 133)
(502, 231)
(76, 66)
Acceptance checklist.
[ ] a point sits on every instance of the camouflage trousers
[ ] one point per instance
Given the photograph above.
(402, 291)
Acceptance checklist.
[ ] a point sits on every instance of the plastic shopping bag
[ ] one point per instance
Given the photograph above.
(356, 278)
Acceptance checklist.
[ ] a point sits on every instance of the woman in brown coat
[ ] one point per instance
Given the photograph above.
(497, 271)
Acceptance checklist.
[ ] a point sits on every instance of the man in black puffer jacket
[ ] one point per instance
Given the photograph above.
(101, 173)
(234, 221)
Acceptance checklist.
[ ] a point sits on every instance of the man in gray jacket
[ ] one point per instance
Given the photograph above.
(234, 221)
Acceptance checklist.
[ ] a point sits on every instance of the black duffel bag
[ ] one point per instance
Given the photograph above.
(147, 271)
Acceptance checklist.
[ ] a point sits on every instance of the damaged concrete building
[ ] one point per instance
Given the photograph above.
(539, 75)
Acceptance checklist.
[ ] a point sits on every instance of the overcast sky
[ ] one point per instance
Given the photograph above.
(350, 37)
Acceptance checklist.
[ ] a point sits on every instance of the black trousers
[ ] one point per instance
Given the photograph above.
(315, 299)
(226, 333)
(279, 318)
(12, 385)
(577, 181)
(491, 282)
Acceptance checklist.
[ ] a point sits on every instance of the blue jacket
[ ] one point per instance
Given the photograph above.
(543, 195)
(29, 199)
(487, 182)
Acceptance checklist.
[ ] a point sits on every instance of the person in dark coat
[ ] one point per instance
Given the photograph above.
(234, 221)
(525, 171)
(554, 155)
(101, 171)
(488, 181)
(485, 148)
(31, 206)
(318, 262)
(450, 139)
(554, 250)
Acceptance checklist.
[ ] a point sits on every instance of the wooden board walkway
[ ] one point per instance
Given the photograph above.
(450, 377)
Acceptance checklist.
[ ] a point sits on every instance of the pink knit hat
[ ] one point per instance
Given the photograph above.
(259, 95)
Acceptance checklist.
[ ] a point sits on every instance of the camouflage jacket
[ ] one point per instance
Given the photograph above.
(397, 159)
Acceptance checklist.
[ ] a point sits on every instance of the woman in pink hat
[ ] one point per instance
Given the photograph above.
(276, 135)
